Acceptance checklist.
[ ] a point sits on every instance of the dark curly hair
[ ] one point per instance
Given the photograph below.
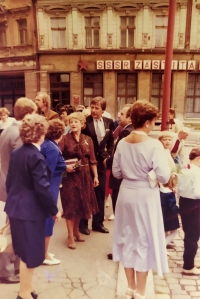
(142, 111)
(56, 129)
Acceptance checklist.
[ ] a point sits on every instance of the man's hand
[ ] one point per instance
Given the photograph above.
(104, 163)
(95, 181)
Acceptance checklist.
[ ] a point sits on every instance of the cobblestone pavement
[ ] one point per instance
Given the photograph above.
(84, 273)
(175, 285)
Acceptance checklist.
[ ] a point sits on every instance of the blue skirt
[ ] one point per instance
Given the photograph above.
(28, 239)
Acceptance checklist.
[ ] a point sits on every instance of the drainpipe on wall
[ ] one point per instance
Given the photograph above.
(168, 63)
(36, 45)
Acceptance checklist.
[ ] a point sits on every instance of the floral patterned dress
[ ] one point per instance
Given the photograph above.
(77, 192)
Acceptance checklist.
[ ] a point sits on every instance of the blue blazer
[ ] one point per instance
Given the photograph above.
(28, 186)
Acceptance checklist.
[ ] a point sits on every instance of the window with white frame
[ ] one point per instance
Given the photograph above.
(3, 42)
(126, 89)
(58, 29)
(23, 32)
(92, 87)
(193, 96)
(127, 27)
(92, 32)
(161, 31)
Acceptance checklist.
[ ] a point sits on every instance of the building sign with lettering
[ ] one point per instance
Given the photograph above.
(189, 65)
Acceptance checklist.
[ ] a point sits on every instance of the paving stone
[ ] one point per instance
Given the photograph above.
(172, 280)
(196, 294)
(178, 292)
(180, 297)
(174, 286)
(162, 296)
(190, 288)
(187, 282)
(162, 290)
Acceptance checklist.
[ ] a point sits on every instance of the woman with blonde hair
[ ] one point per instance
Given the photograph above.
(29, 200)
(139, 240)
(5, 121)
(77, 192)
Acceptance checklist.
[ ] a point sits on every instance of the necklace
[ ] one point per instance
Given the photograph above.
(139, 132)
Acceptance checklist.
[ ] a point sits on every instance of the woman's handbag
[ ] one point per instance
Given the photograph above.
(6, 239)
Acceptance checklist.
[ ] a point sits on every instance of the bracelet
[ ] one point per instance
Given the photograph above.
(96, 176)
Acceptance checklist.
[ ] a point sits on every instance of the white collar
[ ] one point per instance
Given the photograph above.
(37, 145)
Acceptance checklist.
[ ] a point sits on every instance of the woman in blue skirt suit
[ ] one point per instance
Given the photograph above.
(57, 165)
(29, 200)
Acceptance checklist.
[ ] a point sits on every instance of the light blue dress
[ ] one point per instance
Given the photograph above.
(139, 240)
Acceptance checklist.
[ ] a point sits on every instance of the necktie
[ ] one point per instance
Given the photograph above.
(175, 148)
(98, 131)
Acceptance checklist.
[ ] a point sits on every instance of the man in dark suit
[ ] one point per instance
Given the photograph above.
(100, 129)
(9, 141)
(125, 123)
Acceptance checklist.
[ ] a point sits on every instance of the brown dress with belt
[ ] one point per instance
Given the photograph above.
(77, 192)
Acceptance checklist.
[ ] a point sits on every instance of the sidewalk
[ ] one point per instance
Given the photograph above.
(84, 273)
(175, 285)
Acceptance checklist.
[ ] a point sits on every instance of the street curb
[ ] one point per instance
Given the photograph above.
(122, 285)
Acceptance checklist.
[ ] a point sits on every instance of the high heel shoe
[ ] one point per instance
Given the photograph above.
(78, 239)
(138, 296)
(71, 246)
(34, 295)
(131, 292)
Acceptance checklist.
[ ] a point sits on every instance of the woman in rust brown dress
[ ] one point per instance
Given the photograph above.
(77, 192)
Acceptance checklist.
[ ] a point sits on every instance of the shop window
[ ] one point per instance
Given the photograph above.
(58, 29)
(193, 96)
(157, 90)
(92, 32)
(23, 35)
(127, 28)
(11, 88)
(92, 87)
(126, 89)
(2, 35)
(59, 90)
(161, 31)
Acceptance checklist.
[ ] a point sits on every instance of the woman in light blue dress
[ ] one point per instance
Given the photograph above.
(139, 240)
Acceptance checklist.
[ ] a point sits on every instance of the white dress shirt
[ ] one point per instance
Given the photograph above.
(188, 182)
(100, 125)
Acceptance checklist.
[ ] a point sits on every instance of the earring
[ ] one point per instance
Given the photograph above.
(147, 126)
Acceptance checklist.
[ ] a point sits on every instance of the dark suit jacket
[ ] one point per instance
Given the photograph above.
(28, 186)
(105, 148)
(113, 182)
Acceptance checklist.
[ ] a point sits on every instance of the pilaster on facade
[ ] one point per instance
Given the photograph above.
(145, 27)
(109, 27)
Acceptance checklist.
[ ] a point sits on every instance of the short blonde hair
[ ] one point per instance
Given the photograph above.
(78, 115)
(164, 134)
(4, 110)
(184, 130)
(45, 97)
(24, 106)
(32, 128)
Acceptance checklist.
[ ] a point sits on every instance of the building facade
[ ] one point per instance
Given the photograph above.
(113, 49)
(17, 51)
